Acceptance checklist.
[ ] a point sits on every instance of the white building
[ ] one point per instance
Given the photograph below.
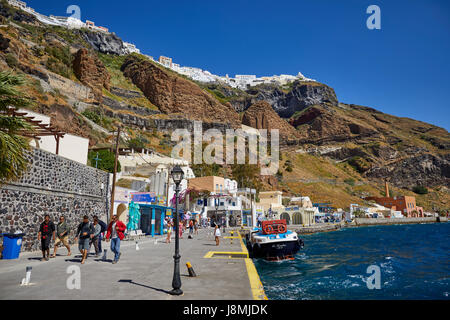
(18, 4)
(131, 48)
(68, 22)
(70, 146)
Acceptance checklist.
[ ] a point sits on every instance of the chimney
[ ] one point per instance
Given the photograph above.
(386, 187)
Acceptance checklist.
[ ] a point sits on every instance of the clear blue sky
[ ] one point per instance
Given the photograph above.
(402, 69)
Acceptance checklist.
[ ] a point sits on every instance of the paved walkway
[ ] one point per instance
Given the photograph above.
(140, 274)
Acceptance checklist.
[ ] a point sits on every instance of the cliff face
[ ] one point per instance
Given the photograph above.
(380, 146)
(300, 96)
(173, 94)
(91, 71)
(325, 140)
(422, 169)
(262, 116)
(102, 42)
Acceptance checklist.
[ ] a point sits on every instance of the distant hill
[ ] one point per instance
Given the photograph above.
(332, 151)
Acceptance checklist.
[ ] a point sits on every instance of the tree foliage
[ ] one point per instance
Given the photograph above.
(13, 147)
(107, 160)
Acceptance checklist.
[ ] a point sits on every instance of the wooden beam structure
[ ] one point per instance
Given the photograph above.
(38, 129)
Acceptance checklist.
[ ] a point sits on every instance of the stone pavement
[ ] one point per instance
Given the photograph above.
(143, 274)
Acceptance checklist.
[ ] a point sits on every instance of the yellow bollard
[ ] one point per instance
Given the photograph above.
(190, 270)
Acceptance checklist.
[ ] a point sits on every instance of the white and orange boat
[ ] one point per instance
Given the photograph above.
(273, 241)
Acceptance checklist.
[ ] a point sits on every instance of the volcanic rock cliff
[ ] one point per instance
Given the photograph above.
(91, 72)
(103, 42)
(261, 116)
(173, 94)
(337, 152)
(299, 96)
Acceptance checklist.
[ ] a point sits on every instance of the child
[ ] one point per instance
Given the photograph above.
(169, 231)
(217, 234)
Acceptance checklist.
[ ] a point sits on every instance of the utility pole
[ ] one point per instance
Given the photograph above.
(169, 170)
(114, 174)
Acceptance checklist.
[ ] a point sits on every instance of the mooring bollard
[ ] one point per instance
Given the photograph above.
(190, 270)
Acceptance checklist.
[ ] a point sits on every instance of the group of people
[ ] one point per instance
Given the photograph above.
(87, 234)
(91, 233)
(193, 226)
(169, 225)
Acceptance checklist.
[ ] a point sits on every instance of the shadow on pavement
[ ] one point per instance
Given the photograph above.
(101, 260)
(143, 285)
(35, 258)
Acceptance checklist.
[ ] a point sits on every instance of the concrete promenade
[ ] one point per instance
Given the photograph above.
(140, 274)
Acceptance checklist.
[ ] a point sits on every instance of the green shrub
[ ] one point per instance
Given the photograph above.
(11, 60)
(93, 116)
(137, 143)
(57, 67)
(420, 190)
(350, 181)
(360, 164)
(107, 160)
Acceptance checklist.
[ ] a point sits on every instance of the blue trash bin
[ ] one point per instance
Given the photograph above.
(12, 243)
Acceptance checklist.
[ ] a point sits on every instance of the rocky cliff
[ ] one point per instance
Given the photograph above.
(261, 116)
(91, 72)
(286, 102)
(326, 142)
(103, 42)
(173, 94)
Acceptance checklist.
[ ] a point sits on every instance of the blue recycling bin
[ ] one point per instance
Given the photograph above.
(12, 243)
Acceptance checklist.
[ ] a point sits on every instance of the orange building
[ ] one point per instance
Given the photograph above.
(210, 183)
(405, 204)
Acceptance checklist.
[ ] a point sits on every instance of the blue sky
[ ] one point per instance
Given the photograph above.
(402, 69)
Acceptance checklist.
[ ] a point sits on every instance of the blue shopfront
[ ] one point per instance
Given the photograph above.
(152, 218)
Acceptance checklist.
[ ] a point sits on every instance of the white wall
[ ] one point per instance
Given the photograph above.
(70, 146)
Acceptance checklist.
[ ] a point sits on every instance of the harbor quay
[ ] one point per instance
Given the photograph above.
(222, 272)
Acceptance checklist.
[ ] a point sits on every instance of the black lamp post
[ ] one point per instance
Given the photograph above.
(177, 176)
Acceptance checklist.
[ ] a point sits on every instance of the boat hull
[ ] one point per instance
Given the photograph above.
(275, 250)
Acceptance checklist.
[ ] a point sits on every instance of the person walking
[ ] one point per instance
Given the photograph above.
(102, 233)
(196, 227)
(191, 227)
(62, 232)
(45, 234)
(94, 240)
(217, 234)
(115, 231)
(85, 232)
(169, 231)
(180, 230)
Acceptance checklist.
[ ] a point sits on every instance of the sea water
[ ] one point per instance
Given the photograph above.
(413, 260)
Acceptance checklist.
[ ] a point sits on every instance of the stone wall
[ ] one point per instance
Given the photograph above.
(56, 186)
(69, 87)
(381, 221)
(166, 125)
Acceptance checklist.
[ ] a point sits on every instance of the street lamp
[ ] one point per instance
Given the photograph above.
(177, 176)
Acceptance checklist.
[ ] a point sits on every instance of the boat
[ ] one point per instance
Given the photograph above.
(273, 241)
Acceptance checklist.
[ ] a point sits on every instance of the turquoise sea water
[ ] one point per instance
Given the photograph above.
(414, 261)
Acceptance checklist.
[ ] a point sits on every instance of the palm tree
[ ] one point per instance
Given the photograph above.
(13, 147)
